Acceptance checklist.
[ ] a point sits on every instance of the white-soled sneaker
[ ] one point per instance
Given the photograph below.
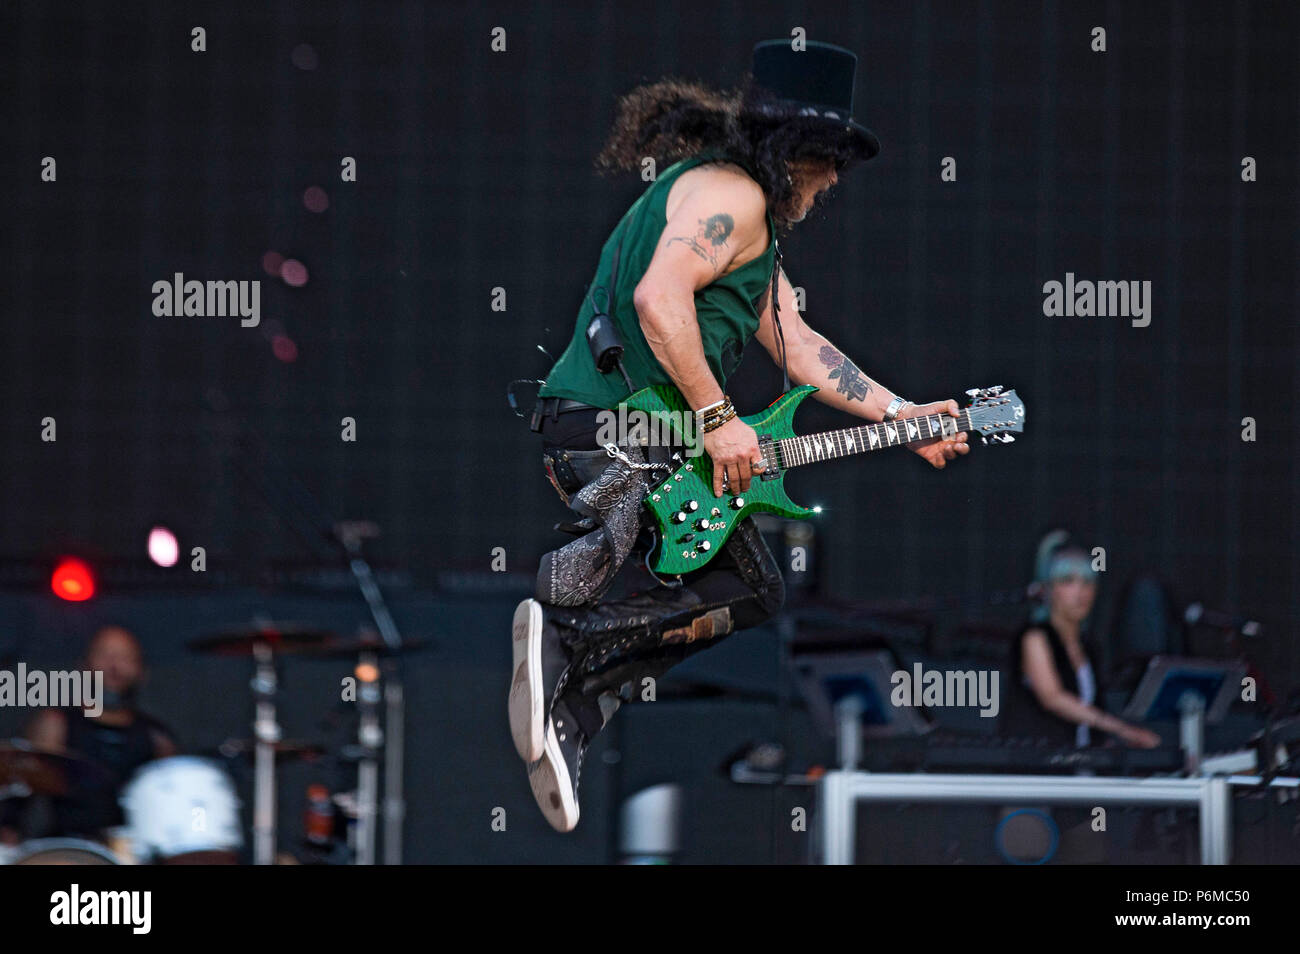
(554, 777)
(539, 664)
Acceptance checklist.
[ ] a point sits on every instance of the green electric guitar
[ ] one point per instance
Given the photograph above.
(693, 524)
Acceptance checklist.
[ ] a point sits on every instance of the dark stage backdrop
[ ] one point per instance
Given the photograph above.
(474, 173)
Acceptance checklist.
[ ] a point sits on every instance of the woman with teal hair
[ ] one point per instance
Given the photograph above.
(1054, 694)
(1054, 685)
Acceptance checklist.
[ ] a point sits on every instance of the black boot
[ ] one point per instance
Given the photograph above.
(569, 667)
(645, 634)
(541, 661)
(574, 665)
(554, 778)
(547, 642)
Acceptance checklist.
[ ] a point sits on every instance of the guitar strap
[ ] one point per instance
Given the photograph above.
(613, 268)
(776, 311)
(602, 336)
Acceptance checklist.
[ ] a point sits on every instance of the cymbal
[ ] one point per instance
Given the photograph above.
(47, 772)
(355, 647)
(286, 750)
(282, 638)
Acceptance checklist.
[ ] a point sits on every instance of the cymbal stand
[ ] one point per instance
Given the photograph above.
(394, 698)
(371, 738)
(266, 732)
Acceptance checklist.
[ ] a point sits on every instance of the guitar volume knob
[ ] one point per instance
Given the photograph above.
(737, 503)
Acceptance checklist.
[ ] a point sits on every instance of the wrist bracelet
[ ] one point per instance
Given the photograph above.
(704, 410)
(717, 412)
(715, 422)
(896, 405)
(711, 413)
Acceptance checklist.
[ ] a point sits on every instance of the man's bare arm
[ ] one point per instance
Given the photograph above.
(812, 359)
(710, 226)
(721, 217)
(710, 240)
(840, 383)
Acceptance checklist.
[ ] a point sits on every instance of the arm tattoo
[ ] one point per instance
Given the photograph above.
(709, 238)
(850, 381)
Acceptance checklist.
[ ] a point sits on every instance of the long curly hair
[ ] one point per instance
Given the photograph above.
(675, 119)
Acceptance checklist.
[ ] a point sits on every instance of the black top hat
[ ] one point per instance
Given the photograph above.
(816, 83)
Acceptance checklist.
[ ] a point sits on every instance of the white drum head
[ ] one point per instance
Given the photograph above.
(180, 805)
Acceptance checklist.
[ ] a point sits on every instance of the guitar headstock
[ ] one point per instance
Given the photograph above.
(996, 414)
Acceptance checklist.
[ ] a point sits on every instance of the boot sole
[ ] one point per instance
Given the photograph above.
(527, 703)
(552, 785)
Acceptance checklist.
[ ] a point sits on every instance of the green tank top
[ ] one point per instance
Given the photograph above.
(727, 309)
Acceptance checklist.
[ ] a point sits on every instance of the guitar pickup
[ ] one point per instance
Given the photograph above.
(765, 445)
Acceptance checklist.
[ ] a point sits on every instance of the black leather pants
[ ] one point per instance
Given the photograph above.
(617, 643)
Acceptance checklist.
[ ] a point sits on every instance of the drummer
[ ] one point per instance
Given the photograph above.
(121, 738)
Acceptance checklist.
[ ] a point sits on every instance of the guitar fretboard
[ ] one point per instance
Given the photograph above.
(809, 448)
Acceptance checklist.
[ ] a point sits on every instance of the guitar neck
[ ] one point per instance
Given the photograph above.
(811, 448)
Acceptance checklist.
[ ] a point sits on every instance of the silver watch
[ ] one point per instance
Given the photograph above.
(896, 405)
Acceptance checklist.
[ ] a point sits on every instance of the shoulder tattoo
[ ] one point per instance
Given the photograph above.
(709, 238)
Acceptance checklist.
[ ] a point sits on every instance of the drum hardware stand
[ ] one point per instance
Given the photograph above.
(267, 733)
(350, 535)
(347, 534)
(394, 806)
(370, 736)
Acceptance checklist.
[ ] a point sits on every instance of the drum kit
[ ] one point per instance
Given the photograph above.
(184, 809)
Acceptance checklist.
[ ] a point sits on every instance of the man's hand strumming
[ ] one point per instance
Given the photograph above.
(733, 448)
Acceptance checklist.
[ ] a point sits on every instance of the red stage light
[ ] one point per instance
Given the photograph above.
(315, 199)
(293, 272)
(284, 348)
(72, 581)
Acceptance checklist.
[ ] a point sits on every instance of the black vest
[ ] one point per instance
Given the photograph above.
(1025, 717)
(120, 749)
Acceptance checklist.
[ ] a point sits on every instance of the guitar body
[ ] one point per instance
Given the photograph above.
(684, 545)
